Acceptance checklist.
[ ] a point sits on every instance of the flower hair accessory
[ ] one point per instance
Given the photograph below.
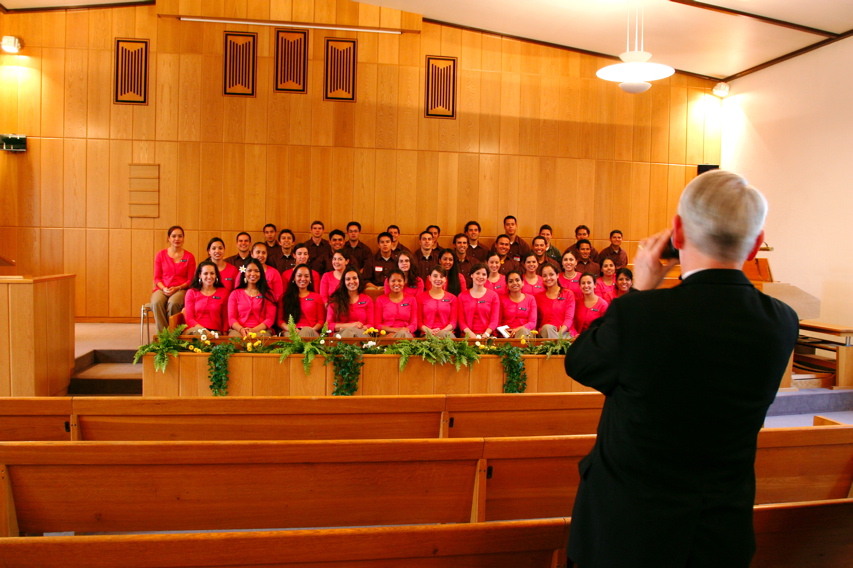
(243, 269)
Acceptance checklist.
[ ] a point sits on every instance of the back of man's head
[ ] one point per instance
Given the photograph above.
(722, 215)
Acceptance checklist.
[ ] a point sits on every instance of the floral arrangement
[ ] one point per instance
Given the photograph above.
(347, 357)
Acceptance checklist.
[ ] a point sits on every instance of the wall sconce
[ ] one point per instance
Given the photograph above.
(11, 44)
(721, 90)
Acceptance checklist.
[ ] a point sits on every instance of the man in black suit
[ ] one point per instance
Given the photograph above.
(688, 373)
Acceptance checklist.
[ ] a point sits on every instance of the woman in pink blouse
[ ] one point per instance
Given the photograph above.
(479, 307)
(518, 310)
(437, 309)
(455, 282)
(302, 256)
(624, 284)
(173, 271)
(605, 287)
(332, 280)
(591, 307)
(205, 304)
(350, 311)
(302, 303)
(228, 273)
(531, 282)
(570, 278)
(396, 312)
(250, 305)
(414, 284)
(259, 251)
(495, 280)
(556, 307)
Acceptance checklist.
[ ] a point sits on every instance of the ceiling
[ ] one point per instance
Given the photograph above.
(718, 38)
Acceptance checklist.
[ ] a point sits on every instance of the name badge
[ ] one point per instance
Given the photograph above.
(594, 310)
(522, 309)
(517, 258)
(309, 299)
(184, 260)
(229, 279)
(360, 303)
(217, 298)
(404, 305)
(377, 268)
(445, 299)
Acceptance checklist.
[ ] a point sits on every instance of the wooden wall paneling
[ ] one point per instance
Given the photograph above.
(22, 342)
(387, 97)
(258, 10)
(169, 34)
(532, 58)
(120, 265)
(29, 90)
(100, 24)
(638, 205)
(530, 115)
(121, 117)
(74, 262)
(544, 202)
(491, 52)
(29, 184)
(77, 29)
(489, 187)
(549, 112)
(388, 45)
(303, 10)
(490, 112)
(658, 196)
(447, 191)
(74, 185)
(509, 187)
(585, 195)
(279, 117)
(409, 106)
(189, 96)
(588, 118)
(468, 110)
(467, 193)
(620, 215)
(301, 106)
(366, 105)
(510, 55)
(5, 348)
(406, 185)
(297, 187)
(642, 124)
(211, 199)
(51, 252)
(677, 125)
(31, 26)
(713, 125)
(9, 164)
(192, 38)
(343, 117)
(325, 11)
(283, 10)
(321, 203)
(277, 175)
(29, 251)
(145, 116)
(97, 273)
(146, 24)
(675, 184)
(233, 187)
(570, 114)
(385, 187)
(257, 108)
(120, 156)
(143, 249)
(188, 192)
(8, 95)
(556, 202)
(167, 156)
(623, 119)
(192, 243)
(234, 120)
(212, 8)
(426, 203)
(255, 184)
(325, 115)
(236, 9)
(76, 91)
(605, 139)
(100, 94)
(212, 101)
(364, 189)
(167, 101)
(52, 96)
(529, 186)
(660, 125)
(510, 112)
(695, 125)
(52, 182)
(123, 23)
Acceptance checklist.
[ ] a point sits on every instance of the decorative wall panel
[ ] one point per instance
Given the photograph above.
(241, 63)
(339, 78)
(131, 72)
(291, 61)
(440, 98)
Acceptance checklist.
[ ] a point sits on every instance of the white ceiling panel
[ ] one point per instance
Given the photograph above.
(830, 15)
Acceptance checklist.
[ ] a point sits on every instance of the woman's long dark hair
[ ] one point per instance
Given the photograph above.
(196, 284)
(290, 301)
(263, 286)
(453, 285)
(339, 300)
(412, 277)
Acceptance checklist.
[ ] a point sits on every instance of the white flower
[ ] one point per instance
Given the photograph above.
(338, 335)
(243, 269)
(369, 344)
(477, 343)
(215, 334)
(322, 342)
(203, 337)
(479, 337)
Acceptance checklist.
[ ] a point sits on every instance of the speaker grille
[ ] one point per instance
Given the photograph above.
(291, 61)
(339, 80)
(440, 99)
(240, 64)
(131, 71)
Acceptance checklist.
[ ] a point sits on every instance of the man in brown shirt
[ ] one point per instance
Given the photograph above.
(540, 248)
(585, 263)
(502, 247)
(359, 253)
(396, 246)
(382, 262)
(615, 252)
(270, 234)
(463, 261)
(244, 247)
(426, 258)
(517, 246)
(281, 257)
(317, 245)
(323, 264)
(582, 232)
(476, 249)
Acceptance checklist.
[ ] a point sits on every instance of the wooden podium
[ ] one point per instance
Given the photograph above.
(36, 335)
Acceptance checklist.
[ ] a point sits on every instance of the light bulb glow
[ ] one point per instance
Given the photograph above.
(636, 72)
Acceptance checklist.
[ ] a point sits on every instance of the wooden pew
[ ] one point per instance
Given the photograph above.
(515, 544)
(169, 486)
(534, 414)
(257, 418)
(842, 364)
(35, 419)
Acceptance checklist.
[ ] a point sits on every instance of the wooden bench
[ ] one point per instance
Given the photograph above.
(516, 544)
(840, 367)
(298, 418)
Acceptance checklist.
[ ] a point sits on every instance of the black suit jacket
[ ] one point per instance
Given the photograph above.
(688, 374)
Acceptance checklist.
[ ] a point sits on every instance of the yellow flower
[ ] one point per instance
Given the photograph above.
(523, 341)
(382, 332)
(253, 335)
(263, 332)
(249, 347)
(258, 342)
(207, 342)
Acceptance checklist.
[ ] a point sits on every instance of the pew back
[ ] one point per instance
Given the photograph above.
(36, 418)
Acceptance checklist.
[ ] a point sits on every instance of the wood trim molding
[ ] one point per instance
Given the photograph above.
(765, 19)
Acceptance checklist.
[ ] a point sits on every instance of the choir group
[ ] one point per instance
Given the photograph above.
(509, 290)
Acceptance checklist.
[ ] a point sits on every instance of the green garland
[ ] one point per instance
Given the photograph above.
(217, 363)
(513, 364)
(347, 362)
(167, 344)
(434, 350)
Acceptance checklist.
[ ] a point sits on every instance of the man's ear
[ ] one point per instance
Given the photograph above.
(677, 232)
(758, 242)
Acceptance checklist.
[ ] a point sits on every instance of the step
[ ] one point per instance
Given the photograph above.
(103, 379)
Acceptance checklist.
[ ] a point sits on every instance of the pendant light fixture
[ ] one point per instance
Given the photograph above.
(634, 74)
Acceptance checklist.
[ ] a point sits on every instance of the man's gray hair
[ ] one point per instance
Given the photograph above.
(722, 215)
